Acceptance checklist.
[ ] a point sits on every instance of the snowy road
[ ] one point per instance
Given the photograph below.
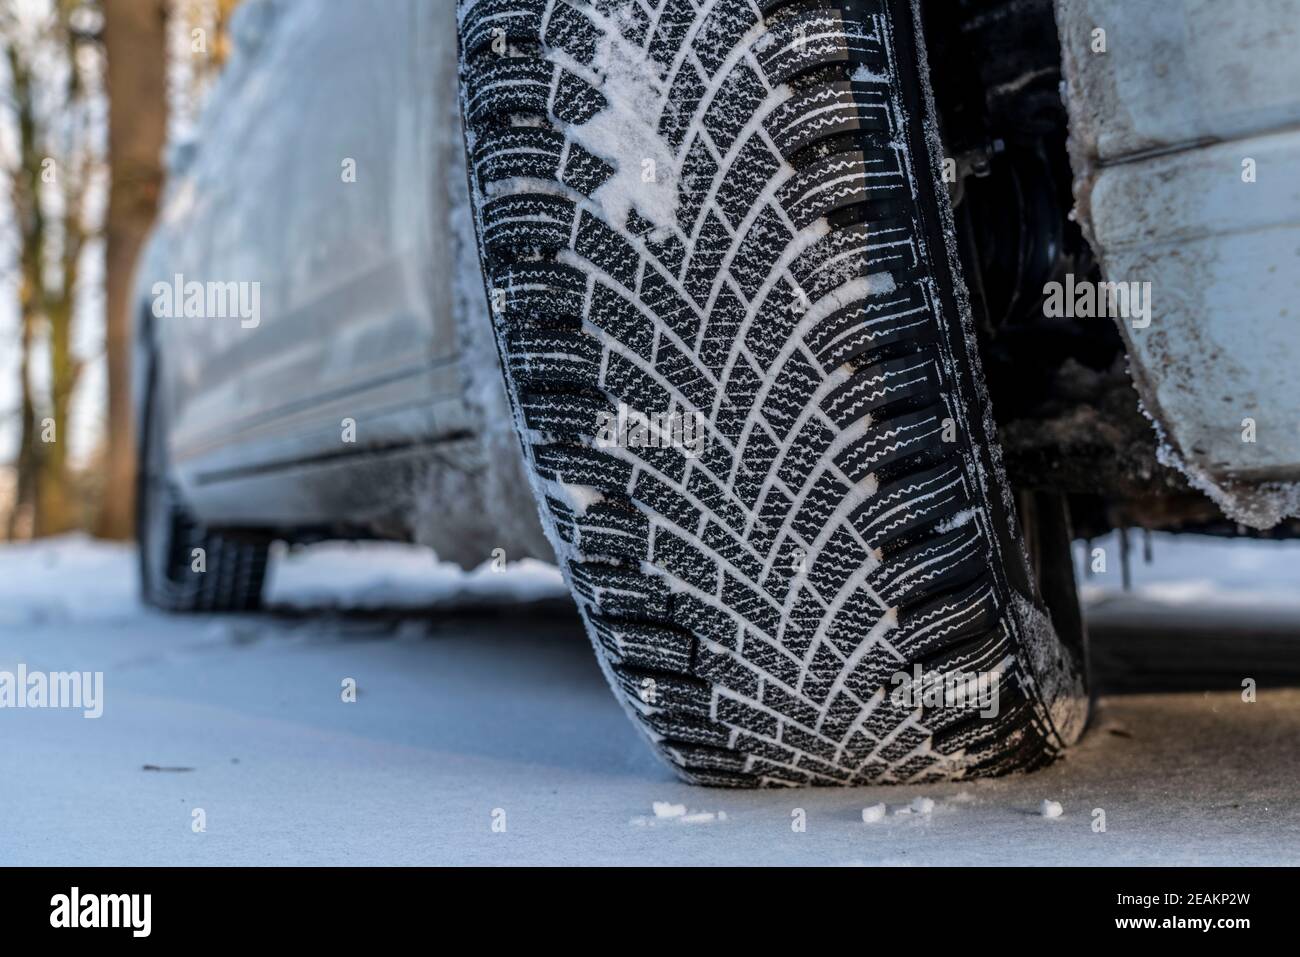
(490, 707)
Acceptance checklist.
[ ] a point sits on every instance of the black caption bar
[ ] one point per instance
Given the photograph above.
(305, 904)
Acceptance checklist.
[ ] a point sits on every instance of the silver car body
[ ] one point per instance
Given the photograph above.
(326, 185)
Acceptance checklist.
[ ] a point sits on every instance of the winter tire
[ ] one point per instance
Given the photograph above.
(731, 210)
(184, 567)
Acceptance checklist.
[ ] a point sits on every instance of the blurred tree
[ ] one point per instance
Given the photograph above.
(56, 155)
(30, 220)
(221, 49)
(135, 42)
(151, 63)
(201, 45)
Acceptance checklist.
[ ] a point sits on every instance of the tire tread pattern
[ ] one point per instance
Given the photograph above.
(749, 605)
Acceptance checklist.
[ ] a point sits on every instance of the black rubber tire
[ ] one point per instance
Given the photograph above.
(234, 569)
(848, 517)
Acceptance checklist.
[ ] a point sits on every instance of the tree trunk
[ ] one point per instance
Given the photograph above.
(25, 187)
(135, 45)
(22, 514)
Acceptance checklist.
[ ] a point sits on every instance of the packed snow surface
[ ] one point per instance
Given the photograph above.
(478, 701)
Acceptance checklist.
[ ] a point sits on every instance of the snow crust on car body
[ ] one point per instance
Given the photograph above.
(1186, 160)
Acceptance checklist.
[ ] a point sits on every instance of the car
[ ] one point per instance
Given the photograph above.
(804, 339)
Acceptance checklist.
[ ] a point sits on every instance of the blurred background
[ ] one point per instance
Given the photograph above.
(93, 96)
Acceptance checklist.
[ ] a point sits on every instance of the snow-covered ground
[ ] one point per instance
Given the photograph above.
(479, 701)
(1194, 570)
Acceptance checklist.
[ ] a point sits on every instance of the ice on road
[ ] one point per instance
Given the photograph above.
(483, 733)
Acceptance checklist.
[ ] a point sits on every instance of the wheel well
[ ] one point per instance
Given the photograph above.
(1067, 413)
